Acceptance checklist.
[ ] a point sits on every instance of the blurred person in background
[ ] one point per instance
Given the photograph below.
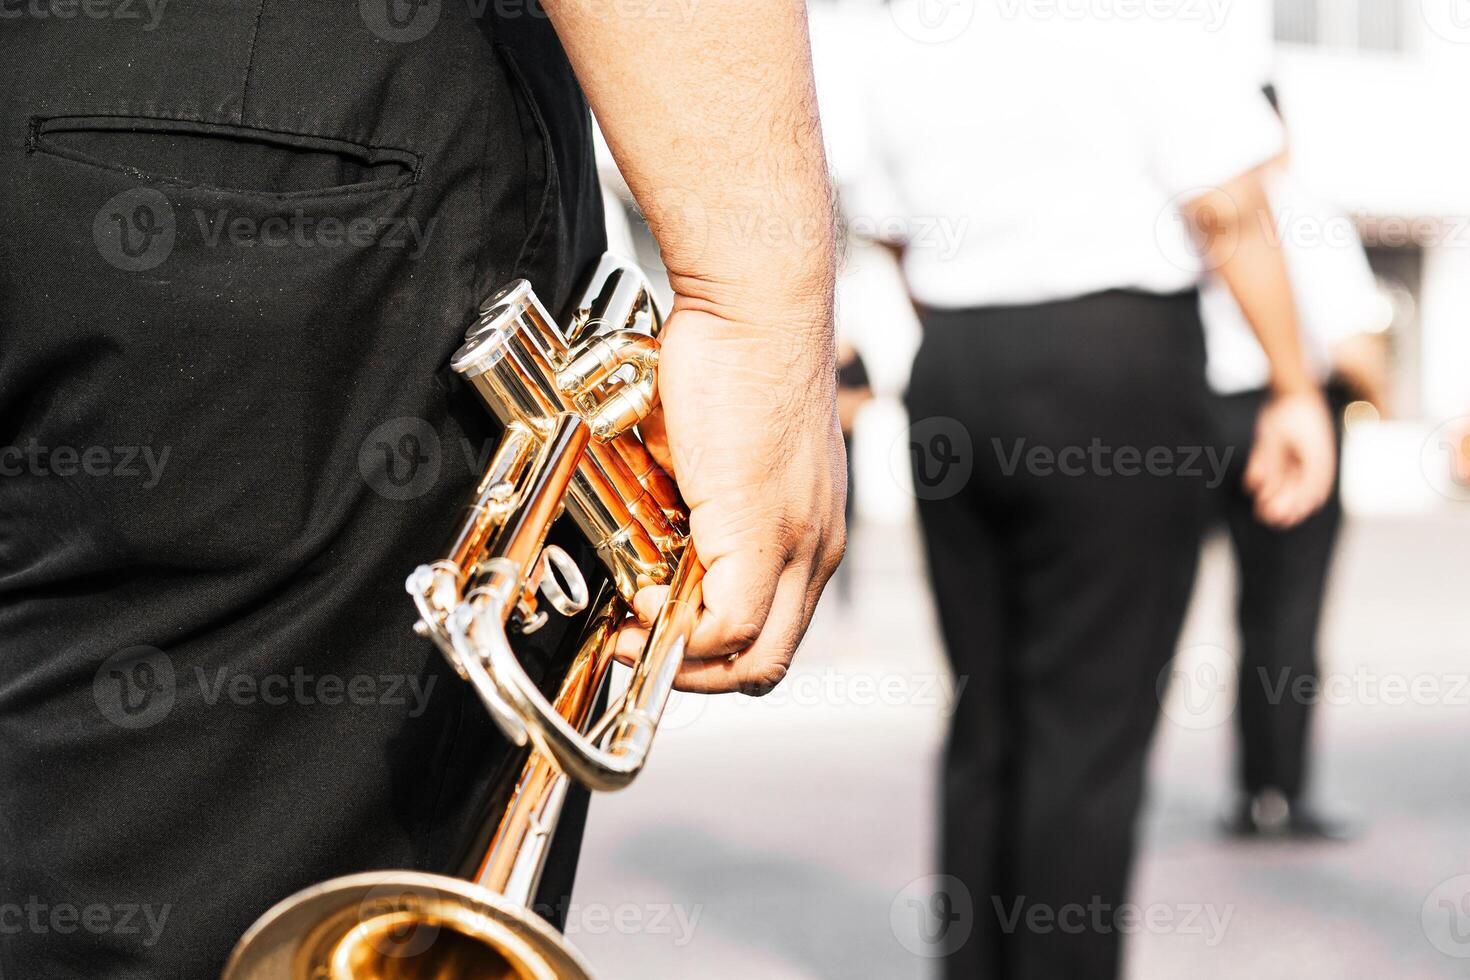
(854, 390)
(1283, 570)
(1090, 178)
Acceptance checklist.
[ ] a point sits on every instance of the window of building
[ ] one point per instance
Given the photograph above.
(1364, 25)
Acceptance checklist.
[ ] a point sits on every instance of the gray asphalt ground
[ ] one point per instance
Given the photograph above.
(784, 838)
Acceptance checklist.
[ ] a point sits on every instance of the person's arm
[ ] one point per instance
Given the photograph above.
(1293, 463)
(711, 115)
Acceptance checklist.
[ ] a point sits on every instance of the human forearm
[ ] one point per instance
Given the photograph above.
(1235, 229)
(712, 118)
(713, 122)
(1291, 468)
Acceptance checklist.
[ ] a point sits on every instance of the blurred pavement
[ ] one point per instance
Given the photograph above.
(775, 838)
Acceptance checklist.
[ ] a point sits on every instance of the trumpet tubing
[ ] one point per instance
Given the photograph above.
(570, 401)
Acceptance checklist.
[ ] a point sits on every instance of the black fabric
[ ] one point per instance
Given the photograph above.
(1283, 580)
(242, 240)
(1060, 596)
(228, 157)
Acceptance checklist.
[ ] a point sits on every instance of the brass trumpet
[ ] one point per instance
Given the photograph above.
(570, 401)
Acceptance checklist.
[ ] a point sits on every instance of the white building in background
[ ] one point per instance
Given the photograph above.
(1375, 93)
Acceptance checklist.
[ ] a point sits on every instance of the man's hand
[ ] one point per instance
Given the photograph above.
(1293, 464)
(749, 430)
(747, 424)
(712, 118)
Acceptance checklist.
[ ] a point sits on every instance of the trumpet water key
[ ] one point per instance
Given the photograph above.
(570, 400)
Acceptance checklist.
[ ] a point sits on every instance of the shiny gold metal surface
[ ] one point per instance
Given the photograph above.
(401, 925)
(570, 401)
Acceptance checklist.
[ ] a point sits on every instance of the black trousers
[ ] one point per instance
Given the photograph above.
(239, 243)
(1061, 563)
(1283, 579)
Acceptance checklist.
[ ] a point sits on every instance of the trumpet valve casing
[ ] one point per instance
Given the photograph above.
(520, 364)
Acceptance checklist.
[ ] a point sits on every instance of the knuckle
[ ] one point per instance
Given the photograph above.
(797, 529)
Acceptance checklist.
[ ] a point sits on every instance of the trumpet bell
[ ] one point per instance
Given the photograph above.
(401, 925)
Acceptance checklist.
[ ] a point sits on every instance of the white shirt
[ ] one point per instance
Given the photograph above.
(1030, 160)
(1334, 288)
